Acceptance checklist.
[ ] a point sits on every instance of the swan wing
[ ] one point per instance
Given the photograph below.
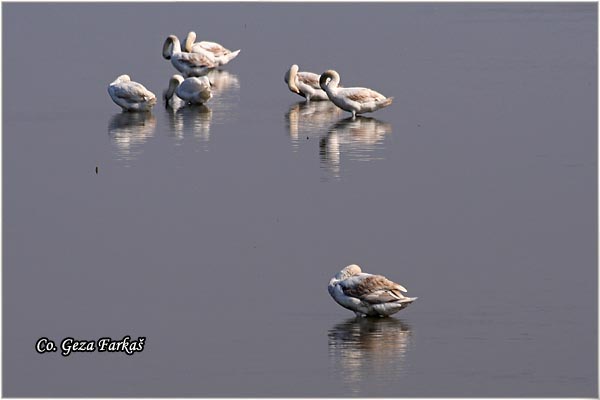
(193, 60)
(213, 47)
(363, 95)
(309, 78)
(373, 289)
(132, 92)
(196, 84)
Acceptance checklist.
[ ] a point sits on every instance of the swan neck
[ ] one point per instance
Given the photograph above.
(291, 78)
(331, 85)
(335, 80)
(334, 281)
(189, 41)
(171, 46)
(173, 85)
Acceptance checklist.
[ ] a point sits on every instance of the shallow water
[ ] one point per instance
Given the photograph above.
(212, 231)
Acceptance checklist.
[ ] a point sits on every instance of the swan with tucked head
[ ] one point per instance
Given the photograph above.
(193, 90)
(366, 294)
(219, 54)
(357, 100)
(131, 96)
(306, 84)
(189, 64)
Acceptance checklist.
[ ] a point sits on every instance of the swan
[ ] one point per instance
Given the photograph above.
(356, 100)
(192, 90)
(220, 54)
(129, 95)
(306, 84)
(366, 294)
(189, 64)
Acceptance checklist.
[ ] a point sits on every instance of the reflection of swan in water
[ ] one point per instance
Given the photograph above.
(306, 119)
(359, 138)
(369, 348)
(222, 80)
(128, 131)
(190, 120)
(225, 87)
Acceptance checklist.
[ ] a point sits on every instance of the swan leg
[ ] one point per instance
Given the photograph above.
(353, 114)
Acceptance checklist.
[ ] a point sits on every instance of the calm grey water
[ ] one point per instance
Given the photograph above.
(214, 231)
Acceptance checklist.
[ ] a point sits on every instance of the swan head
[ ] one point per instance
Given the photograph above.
(290, 78)
(171, 46)
(189, 41)
(174, 83)
(348, 271)
(329, 77)
(122, 79)
(345, 273)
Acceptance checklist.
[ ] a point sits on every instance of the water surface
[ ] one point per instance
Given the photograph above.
(213, 231)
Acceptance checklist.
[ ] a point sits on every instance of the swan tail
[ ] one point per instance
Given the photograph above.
(407, 300)
(387, 102)
(232, 55)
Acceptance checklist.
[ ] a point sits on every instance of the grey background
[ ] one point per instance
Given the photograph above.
(214, 234)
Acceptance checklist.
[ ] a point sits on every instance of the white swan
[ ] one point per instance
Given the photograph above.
(306, 84)
(192, 90)
(129, 95)
(189, 64)
(220, 54)
(356, 100)
(366, 294)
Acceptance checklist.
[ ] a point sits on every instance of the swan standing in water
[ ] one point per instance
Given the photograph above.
(356, 100)
(129, 95)
(189, 64)
(366, 294)
(192, 90)
(220, 54)
(306, 84)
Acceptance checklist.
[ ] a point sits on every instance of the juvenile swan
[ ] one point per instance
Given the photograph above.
(366, 294)
(189, 64)
(192, 90)
(129, 95)
(219, 54)
(356, 100)
(306, 84)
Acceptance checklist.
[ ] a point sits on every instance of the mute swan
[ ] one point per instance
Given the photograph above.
(366, 294)
(189, 64)
(356, 100)
(129, 95)
(220, 54)
(193, 90)
(306, 84)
